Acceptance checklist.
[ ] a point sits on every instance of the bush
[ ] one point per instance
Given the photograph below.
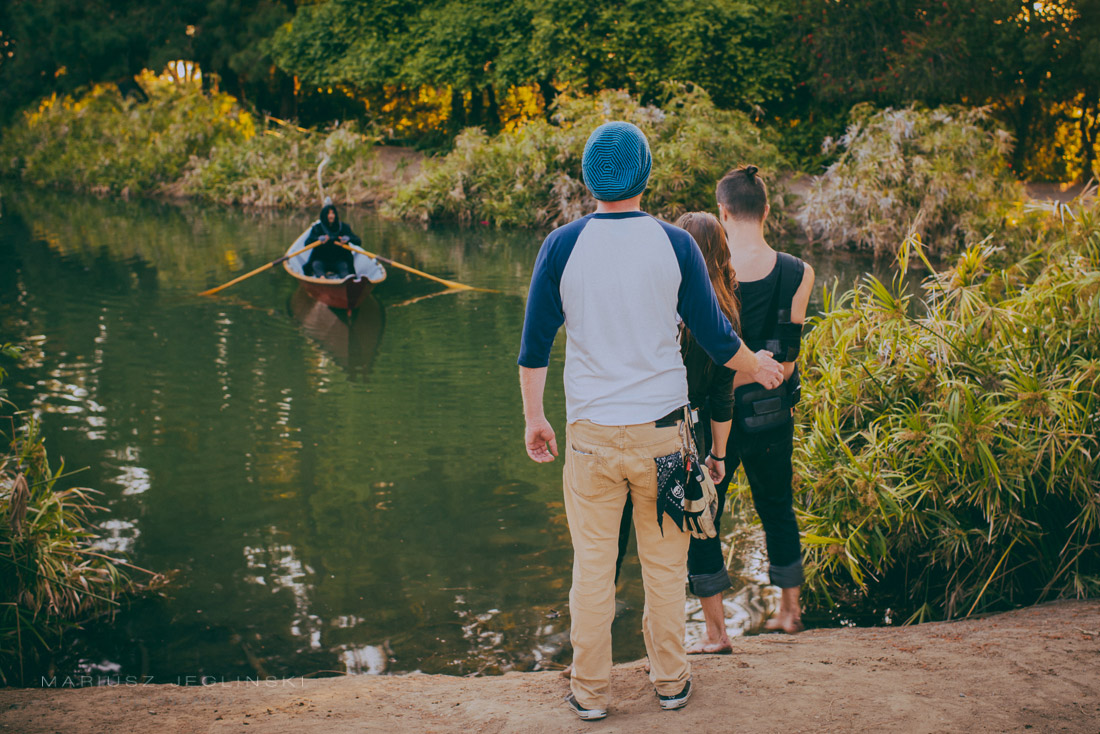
(52, 576)
(531, 176)
(949, 460)
(106, 144)
(943, 171)
(277, 168)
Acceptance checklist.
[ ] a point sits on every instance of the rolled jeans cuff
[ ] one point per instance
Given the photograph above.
(786, 577)
(709, 584)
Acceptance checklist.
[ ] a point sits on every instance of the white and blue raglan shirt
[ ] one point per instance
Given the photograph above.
(617, 283)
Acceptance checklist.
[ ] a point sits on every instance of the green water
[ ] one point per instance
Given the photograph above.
(329, 496)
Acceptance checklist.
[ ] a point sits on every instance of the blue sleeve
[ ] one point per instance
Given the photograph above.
(545, 314)
(698, 306)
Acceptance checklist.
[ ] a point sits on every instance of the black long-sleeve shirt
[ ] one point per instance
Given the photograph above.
(710, 385)
(330, 251)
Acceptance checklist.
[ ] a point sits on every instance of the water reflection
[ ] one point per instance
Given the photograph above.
(351, 340)
(331, 500)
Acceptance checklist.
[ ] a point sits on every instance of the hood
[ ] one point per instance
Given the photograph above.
(334, 228)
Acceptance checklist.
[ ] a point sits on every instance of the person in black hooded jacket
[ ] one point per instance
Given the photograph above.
(329, 260)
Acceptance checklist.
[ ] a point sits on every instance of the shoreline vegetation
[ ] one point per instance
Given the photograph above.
(944, 171)
(54, 573)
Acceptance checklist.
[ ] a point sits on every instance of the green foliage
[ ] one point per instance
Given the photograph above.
(942, 172)
(52, 575)
(276, 168)
(733, 49)
(62, 47)
(949, 460)
(1035, 63)
(532, 176)
(103, 143)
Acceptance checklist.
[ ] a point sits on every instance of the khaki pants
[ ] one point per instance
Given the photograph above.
(602, 465)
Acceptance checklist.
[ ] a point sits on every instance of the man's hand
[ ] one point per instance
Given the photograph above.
(323, 238)
(768, 372)
(717, 469)
(541, 444)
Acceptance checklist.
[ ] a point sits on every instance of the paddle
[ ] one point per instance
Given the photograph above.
(260, 269)
(449, 283)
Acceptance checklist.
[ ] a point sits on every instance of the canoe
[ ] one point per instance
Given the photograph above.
(345, 294)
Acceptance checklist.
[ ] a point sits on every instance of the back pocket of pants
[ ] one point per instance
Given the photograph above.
(587, 472)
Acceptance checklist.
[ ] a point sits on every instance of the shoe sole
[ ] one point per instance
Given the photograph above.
(586, 714)
(678, 703)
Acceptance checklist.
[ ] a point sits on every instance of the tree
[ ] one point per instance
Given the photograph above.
(61, 46)
(1030, 60)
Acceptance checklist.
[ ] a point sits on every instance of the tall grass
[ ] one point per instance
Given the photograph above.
(52, 576)
(531, 176)
(106, 144)
(949, 460)
(276, 168)
(943, 171)
(185, 142)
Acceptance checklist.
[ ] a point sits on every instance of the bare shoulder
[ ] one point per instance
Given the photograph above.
(807, 275)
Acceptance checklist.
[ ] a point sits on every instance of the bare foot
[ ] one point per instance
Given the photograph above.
(787, 623)
(722, 647)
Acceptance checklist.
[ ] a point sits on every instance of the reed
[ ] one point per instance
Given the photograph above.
(943, 171)
(52, 575)
(276, 168)
(531, 176)
(949, 460)
(105, 143)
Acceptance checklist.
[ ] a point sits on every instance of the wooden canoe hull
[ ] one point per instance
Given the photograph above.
(346, 294)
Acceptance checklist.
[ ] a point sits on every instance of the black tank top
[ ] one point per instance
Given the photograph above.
(755, 297)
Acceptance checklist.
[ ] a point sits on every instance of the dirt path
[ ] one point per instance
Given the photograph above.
(1035, 670)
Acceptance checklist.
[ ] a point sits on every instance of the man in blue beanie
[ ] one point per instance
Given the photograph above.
(618, 280)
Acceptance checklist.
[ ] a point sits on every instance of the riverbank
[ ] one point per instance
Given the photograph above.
(1034, 669)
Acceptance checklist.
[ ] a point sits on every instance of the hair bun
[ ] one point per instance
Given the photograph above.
(750, 171)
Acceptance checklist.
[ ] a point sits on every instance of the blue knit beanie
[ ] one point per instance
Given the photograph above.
(616, 161)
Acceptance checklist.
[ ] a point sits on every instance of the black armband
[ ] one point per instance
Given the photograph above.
(790, 340)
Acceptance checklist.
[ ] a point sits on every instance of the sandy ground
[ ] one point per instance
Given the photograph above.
(1035, 669)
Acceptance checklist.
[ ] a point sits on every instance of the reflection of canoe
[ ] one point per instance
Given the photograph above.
(351, 341)
(344, 294)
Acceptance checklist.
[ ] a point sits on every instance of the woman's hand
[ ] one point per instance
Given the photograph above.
(323, 238)
(716, 468)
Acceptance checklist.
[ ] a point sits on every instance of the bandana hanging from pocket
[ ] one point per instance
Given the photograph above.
(671, 488)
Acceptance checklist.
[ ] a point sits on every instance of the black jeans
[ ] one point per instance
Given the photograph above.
(766, 457)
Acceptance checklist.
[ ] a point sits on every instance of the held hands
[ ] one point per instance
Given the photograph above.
(541, 444)
(323, 238)
(344, 239)
(769, 373)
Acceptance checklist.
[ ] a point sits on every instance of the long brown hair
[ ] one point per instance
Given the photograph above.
(708, 233)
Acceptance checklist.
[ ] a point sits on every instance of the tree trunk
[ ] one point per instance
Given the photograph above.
(457, 120)
(549, 96)
(1024, 114)
(477, 108)
(1087, 126)
(492, 114)
(288, 99)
